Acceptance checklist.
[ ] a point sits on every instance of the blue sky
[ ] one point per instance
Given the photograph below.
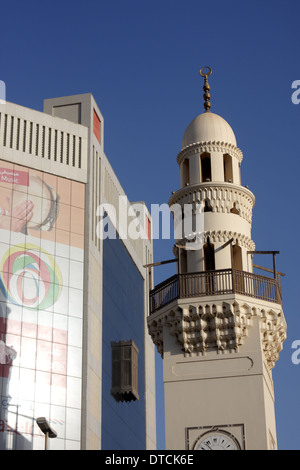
(141, 61)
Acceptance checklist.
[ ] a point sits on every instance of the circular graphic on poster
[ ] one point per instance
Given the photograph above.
(30, 277)
(32, 204)
(41, 203)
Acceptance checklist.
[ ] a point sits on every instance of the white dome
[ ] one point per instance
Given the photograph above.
(208, 127)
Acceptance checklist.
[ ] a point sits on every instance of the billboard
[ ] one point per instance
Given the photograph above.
(41, 296)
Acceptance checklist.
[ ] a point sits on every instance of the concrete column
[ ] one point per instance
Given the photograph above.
(217, 166)
(222, 256)
(195, 176)
(236, 171)
(195, 261)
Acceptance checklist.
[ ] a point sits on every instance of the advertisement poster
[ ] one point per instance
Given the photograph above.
(41, 290)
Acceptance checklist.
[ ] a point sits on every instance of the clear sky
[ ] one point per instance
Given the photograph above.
(141, 61)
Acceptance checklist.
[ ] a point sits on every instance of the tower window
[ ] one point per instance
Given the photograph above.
(237, 257)
(205, 168)
(228, 176)
(182, 266)
(209, 256)
(124, 371)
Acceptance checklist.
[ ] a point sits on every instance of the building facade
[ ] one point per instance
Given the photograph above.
(74, 299)
(218, 325)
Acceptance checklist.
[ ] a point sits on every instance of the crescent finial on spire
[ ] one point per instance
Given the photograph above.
(206, 72)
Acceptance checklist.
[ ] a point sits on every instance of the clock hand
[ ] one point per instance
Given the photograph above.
(208, 446)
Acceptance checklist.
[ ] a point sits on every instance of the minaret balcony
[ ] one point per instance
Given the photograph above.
(214, 283)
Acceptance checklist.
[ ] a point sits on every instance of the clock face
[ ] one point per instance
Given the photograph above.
(215, 440)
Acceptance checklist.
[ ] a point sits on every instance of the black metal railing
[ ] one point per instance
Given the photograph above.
(206, 283)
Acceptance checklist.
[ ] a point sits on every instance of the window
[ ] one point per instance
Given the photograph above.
(182, 266)
(237, 257)
(228, 175)
(209, 256)
(209, 265)
(205, 167)
(237, 263)
(124, 371)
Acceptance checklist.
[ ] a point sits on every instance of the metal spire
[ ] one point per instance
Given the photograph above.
(206, 72)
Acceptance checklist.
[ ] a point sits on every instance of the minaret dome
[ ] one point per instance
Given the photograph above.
(208, 127)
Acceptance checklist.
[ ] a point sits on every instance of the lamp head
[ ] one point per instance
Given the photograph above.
(45, 427)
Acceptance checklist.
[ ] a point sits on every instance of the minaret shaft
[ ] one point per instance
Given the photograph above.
(218, 325)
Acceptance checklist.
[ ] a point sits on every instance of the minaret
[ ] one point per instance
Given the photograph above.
(218, 325)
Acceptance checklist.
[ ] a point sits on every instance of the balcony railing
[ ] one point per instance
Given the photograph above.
(207, 283)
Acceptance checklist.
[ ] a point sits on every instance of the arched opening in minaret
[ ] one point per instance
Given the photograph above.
(207, 206)
(234, 210)
(183, 262)
(185, 172)
(237, 257)
(228, 175)
(209, 256)
(205, 167)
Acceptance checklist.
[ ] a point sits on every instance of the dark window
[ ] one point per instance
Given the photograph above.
(228, 175)
(205, 167)
(209, 256)
(207, 206)
(124, 371)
